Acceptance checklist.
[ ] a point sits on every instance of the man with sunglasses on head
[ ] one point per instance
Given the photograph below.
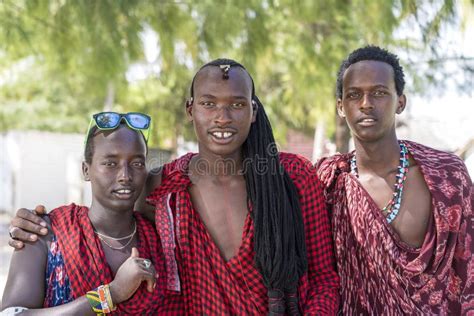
(99, 259)
(243, 227)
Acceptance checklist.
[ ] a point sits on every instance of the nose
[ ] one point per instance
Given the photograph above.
(223, 115)
(125, 175)
(366, 102)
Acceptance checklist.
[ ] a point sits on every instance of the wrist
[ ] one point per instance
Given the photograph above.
(100, 300)
(108, 297)
(114, 294)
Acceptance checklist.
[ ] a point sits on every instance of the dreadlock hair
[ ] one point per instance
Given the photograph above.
(89, 145)
(279, 241)
(375, 53)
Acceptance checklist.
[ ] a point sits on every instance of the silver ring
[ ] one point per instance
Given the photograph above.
(147, 263)
(10, 233)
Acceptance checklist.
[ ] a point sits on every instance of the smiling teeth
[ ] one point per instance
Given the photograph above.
(124, 191)
(368, 120)
(222, 134)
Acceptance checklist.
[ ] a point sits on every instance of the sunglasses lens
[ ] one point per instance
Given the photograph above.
(107, 120)
(137, 120)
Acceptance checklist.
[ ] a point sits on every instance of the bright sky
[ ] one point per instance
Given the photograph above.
(445, 117)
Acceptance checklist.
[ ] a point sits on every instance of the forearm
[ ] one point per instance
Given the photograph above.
(153, 181)
(79, 306)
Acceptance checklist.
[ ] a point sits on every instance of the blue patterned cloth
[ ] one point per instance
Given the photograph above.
(58, 288)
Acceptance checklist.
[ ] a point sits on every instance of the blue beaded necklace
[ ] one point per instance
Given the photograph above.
(393, 206)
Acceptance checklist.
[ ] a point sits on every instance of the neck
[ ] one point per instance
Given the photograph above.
(216, 166)
(109, 222)
(377, 156)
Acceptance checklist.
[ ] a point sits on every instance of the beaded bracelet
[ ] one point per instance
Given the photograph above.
(101, 300)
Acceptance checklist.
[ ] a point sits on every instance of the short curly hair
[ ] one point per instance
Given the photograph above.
(376, 53)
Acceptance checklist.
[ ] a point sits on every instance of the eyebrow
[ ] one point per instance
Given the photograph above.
(210, 96)
(116, 155)
(376, 86)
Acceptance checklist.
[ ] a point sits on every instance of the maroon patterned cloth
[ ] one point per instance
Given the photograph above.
(209, 285)
(381, 275)
(85, 260)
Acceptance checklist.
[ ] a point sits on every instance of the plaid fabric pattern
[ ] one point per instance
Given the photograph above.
(85, 260)
(382, 275)
(212, 286)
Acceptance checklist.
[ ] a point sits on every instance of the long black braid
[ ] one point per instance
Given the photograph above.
(279, 241)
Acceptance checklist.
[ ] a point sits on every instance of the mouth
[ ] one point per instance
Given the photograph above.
(222, 137)
(368, 121)
(123, 194)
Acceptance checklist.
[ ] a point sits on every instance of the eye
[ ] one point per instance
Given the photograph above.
(109, 163)
(207, 104)
(237, 105)
(353, 95)
(379, 93)
(138, 164)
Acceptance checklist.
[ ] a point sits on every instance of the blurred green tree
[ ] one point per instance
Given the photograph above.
(61, 60)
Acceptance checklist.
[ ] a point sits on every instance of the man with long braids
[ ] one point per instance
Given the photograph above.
(243, 227)
(402, 214)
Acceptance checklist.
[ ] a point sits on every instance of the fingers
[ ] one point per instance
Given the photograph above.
(21, 235)
(150, 283)
(149, 275)
(17, 244)
(134, 253)
(40, 210)
(26, 227)
(28, 215)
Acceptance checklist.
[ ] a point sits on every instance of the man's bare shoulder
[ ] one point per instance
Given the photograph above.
(154, 179)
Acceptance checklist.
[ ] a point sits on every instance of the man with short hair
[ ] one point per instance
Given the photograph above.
(402, 215)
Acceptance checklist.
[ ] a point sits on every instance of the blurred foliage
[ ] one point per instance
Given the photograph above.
(60, 60)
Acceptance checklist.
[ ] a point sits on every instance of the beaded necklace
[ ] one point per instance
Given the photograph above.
(393, 206)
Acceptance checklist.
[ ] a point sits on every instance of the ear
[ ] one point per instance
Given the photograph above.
(85, 171)
(340, 109)
(189, 109)
(402, 102)
(255, 110)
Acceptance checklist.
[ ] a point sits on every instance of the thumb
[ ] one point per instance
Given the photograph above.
(40, 210)
(134, 253)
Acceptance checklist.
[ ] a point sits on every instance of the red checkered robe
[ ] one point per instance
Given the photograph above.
(85, 260)
(205, 284)
(381, 275)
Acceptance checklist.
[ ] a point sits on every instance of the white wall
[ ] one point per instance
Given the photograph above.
(41, 167)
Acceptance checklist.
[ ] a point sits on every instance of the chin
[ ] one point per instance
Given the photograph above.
(367, 138)
(123, 206)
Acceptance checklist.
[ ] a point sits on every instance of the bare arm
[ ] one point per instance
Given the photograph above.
(26, 282)
(27, 225)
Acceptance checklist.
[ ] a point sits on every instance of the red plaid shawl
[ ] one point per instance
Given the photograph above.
(212, 286)
(85, 260)
(382, 275)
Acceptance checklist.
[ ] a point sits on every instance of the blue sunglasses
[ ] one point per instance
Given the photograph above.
(111, 120)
